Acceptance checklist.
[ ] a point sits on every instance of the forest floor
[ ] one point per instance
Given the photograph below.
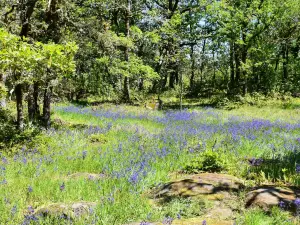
(112, 164)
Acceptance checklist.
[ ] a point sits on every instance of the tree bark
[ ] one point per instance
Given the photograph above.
(47, 106)
(19, 100)
(126, 90)
(192, 78)
(3, 99)
(231, 59)
(237, 65)
(36, 100)
(285, 57)
(141, 84)
(30, 102)
(26, 12)
(244, 55)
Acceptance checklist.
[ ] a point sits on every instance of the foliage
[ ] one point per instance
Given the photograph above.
(208, 161)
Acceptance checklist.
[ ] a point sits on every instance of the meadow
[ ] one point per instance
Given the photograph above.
(134, 149)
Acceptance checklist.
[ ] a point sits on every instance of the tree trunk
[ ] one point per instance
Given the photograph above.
(47, 107)
(26, 12)
(141, 84)
(192, 78)
(126, 90)
(231, 59)
(214, 70)
(30, 102)
(245, 75)
(244, 55)
(3, 98)
(237, 66)
(36, 100)
(285, 57)
(19, 100)
(172, 79)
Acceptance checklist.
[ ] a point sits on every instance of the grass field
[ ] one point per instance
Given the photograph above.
(135, 150)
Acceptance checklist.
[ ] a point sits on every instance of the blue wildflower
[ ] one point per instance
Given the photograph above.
(62, 186)
(30, 209)
(297, 168)
(84, 154)
(14, 210)
(30, 189)
(168, 221)
(297, 202)
(282, 204)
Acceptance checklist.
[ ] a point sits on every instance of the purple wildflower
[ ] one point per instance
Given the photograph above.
(204, 222)
(30, 209)
(256, 162)
(4, 182)
(297, 202)
(30, 189)
(134, 178)
(4, 160)
(6, 200)
(24, 160)
(282, 204)
(14, 210)
(297, 168)
(84, 153)
(168, 221)
(62, 186)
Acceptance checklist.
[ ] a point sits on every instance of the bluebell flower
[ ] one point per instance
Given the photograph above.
(14, 210)
(297, 202)
(30, 209)
(282, 204)
(84, 154)
(4, 160)
(30, 189)
(24, 160)
(62, 186)
(4, 182)
(297, 168)
(168, 220)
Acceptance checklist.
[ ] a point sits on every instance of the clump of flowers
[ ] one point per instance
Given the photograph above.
(168, 221)
(256, 162)
(297, 168)
(297, 204)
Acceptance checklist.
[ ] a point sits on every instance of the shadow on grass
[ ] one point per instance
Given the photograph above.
(10, 136)
(284, 168)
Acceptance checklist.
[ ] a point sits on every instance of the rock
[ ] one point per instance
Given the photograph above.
(87, 176)
(269, 196)
(209, 185)
(221, 213)
(72, 210)
(192, 221)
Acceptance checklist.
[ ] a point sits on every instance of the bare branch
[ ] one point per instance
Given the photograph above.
(159, 4)
(5, 15)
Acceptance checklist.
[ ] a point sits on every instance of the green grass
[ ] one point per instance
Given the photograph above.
(144, 145)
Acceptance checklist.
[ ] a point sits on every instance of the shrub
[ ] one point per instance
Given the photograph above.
(208, 161)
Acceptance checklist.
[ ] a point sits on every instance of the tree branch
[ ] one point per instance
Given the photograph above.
(175, 6)
(9, 12)
(159, 4)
